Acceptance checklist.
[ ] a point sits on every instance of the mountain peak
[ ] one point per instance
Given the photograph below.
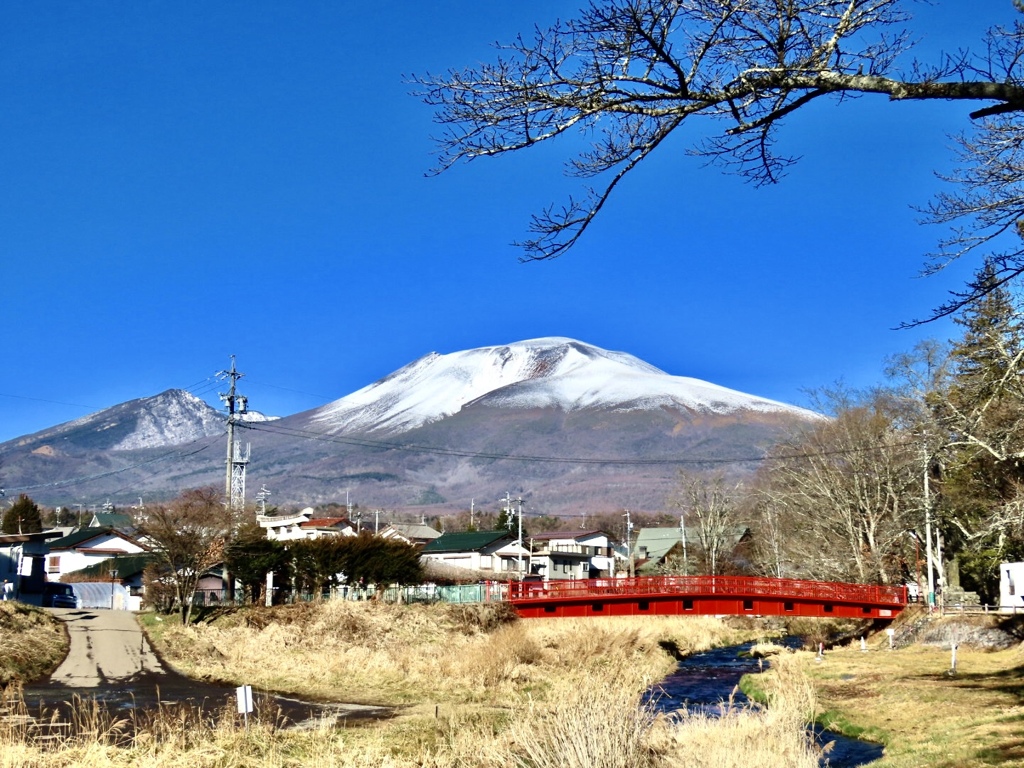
(550, 372)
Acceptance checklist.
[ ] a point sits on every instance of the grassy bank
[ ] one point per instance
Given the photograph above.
(476, 689)
(375, 653)
(909, 701)
(32, 643)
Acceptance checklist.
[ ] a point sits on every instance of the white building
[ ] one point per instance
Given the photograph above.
(574, 555)
(86, 547)
(1011, 586)
(483, 551)
(302, 525)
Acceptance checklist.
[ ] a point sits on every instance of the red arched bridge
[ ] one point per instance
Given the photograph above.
(704, 595)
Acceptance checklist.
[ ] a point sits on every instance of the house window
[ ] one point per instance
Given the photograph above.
(53, 564)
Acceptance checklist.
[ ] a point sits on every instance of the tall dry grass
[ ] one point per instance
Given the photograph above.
(743, 736)
(491, 694)
(32, 643)
(388, 654)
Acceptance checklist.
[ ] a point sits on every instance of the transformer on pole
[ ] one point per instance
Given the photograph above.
(234, 480)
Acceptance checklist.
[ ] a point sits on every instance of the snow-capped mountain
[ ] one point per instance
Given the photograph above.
(170, 418)
(568, 426)
(552, 372)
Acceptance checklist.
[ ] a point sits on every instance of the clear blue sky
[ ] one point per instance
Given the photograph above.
(187, 181)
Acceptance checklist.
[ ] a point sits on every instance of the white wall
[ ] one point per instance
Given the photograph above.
(1011, 585)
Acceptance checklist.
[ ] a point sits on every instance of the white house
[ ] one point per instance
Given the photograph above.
(302, 525)
(1011, 586)
(484, 551)
(574, 555)
(22, 563)
(410, 533)
(86, 547)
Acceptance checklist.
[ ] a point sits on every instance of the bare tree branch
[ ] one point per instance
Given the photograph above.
(631, 72)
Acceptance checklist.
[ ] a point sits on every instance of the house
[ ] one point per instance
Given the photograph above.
(129, 570)
(657, 548)
(410, 533)
(23, 563)
(112, 520)
(573, 555)
(86, 547)
(1011, 587)
(494, 552)
(302, 525)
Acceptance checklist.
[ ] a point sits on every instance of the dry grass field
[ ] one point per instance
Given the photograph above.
(909, 701)
(31, 644)
(476, 689)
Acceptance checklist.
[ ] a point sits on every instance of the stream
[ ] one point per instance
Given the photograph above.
(703, 681)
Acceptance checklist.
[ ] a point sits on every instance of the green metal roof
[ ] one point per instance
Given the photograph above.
(112, 520)
(470, 541)
(87, 534)
(125, 565)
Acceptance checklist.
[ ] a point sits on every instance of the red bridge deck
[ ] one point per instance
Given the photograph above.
(705, 595)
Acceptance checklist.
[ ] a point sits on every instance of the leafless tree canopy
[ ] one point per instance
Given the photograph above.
(630, 72)
(188, 537)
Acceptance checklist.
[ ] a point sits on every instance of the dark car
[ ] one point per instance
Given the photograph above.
(56, 595)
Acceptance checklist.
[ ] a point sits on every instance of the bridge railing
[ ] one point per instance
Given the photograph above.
(738, 586)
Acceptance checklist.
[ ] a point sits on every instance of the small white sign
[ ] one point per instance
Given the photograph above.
(244, 695)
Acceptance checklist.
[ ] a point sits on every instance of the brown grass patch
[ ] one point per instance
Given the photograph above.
(907, 700)
(33, 643)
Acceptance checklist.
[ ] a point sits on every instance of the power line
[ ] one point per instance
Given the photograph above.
(110, 473)
(271, 426)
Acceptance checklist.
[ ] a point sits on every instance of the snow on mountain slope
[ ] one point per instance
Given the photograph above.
(549, 372)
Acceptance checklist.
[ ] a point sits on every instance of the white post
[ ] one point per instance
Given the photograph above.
(928, 538)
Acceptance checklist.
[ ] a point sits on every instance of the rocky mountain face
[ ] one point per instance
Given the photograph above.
(570, 427)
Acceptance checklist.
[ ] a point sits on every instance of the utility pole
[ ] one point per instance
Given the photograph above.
(629, 543)
(234, 481)
(519, 541)
(472, 509)
(928, 531)
(682, 538)
(261, 498)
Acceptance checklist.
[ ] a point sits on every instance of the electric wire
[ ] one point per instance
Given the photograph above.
(71, 481)
(273, 427)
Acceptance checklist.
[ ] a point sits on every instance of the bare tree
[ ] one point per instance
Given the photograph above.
(188, 536)
(848, 490)
(711, 506)
(629, 73)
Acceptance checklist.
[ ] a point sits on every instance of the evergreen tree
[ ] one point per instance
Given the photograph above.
(983, 411)
(251, 556)
(23, 517)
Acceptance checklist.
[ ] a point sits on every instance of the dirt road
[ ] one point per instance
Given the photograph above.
(110, 660)
(107, 647)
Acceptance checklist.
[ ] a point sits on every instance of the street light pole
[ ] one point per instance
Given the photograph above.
(113, 578)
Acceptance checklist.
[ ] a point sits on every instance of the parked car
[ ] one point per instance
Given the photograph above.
(57, 595)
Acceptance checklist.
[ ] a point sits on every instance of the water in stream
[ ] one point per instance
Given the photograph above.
(703, 681)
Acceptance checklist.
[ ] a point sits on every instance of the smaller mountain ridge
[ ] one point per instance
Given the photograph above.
(170, 418)
(552, 372)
